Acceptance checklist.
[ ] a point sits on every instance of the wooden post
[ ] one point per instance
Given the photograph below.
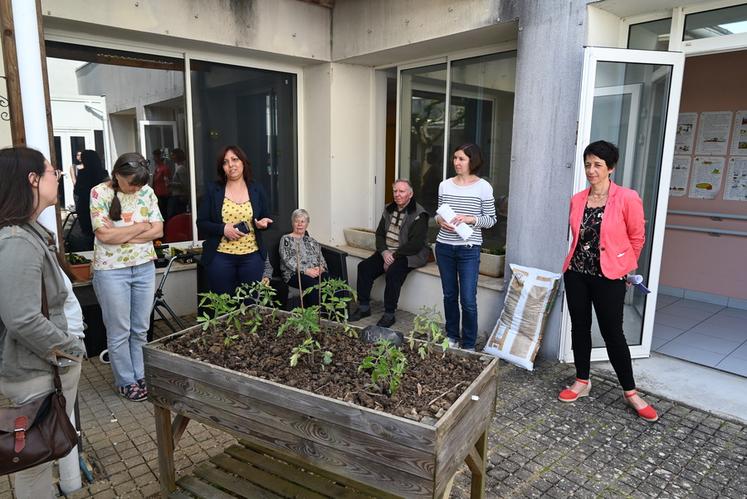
(10, 58)
(476, 462)
(165, 440)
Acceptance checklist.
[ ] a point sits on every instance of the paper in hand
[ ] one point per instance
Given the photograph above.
(447, 213)
(637, 281)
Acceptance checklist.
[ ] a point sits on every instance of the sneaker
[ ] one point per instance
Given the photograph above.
(453, 343)
(132, 393)
(359, 314)
(387, 320)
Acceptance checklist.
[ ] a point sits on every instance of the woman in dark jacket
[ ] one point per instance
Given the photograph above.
(230, 217)
(30, 342)
(90, 175)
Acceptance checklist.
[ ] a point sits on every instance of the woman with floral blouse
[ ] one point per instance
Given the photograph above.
(301, 259)
(126, 219)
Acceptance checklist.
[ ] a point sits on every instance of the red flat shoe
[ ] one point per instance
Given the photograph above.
(569, 395)
(648, 413)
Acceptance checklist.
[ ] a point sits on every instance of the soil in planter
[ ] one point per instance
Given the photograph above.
(429, 386)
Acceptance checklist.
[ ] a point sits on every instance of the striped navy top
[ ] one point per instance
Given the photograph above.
(476, 200)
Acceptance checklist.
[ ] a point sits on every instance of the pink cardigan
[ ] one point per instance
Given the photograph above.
(622, 233)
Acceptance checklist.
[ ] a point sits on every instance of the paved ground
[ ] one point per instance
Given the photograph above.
(538, 446)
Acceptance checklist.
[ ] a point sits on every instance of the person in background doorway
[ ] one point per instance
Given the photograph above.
(301, 258)
(401, 245)
(30, 266)
(91, 174)
(179, 186)
(608, 228)
(77, 164)
(126, 220)
(161, 181)
(471, 198)
(232, 216)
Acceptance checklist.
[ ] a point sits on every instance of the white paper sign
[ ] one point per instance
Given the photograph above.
(686, 125)
(739, 135)
(680, 176)
(714, 132)
(735, 188)
(447, 213)
(705, 181)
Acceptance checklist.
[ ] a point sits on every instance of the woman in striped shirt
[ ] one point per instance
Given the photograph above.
(458, 260)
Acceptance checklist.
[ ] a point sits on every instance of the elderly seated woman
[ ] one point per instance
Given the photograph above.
(301, 260)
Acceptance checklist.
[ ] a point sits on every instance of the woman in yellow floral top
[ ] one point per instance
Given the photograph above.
(231, 217)
(126, 220)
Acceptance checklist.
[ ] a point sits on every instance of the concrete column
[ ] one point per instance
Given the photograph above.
(548, 83)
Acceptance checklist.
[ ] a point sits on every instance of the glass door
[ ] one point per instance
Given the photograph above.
(631, 98)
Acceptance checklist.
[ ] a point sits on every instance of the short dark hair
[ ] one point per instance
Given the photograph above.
(604, 150)
(239, 152)
(129, 164)
(474, 154)
(16, 193)
(179, 155)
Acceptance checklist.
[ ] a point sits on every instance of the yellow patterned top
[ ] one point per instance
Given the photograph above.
(233, 213)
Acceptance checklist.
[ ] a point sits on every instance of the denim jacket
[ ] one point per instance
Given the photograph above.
(27, 338)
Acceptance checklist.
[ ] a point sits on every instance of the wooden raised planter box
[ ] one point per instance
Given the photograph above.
(373, 451)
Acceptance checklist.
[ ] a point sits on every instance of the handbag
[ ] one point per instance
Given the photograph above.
(38, 431)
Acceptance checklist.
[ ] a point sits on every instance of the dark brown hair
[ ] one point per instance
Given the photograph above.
(130, 164)
(239, 152)
(474, 154)
(16, 192)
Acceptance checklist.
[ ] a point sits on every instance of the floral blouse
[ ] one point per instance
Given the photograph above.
(586, 257)
(141, 206)
(305, 251)
(234, 213)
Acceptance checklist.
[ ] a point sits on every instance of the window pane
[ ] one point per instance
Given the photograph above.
(652, 35)
(256, 110)
(719, 22)
(481, 112)
(421, 146)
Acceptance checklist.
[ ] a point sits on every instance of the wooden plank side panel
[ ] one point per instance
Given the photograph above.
(356, 468)
(463, 403)
(306, 426)
(385, 426)
(462, 436)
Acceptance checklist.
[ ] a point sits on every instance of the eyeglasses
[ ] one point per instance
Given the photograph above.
(143, 163)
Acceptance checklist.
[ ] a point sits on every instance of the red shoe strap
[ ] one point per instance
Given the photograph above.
(630, 395)
(582, 381)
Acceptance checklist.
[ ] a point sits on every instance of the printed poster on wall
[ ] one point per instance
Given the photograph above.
(739, 134)
(680, 175)
(714, 133)
(735, 188)
(705, 180)
(686, 125)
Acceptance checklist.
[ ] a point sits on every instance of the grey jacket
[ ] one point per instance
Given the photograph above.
(27, 338)
(413, 235)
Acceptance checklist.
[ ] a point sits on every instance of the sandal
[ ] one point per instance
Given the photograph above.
(647, 413)
(142, 386)
(133, 393)
(569, 395)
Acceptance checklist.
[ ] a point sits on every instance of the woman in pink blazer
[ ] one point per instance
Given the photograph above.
(608, 232)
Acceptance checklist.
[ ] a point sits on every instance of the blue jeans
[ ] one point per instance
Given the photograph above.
(126, 299)
(459, 267)
(227, 272)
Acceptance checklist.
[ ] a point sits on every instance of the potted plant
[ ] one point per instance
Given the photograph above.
(80, 266)
(492, 261)
(399, 419)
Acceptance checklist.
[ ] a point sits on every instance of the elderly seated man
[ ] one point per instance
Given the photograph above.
(401, 245)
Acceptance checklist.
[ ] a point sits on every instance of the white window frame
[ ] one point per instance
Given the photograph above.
(689, 47)
(186, 53)
(509, 46)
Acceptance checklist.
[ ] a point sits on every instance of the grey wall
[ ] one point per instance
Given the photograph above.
(548, 82)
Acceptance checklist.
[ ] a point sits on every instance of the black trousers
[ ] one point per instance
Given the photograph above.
(371, 268)
(608, 298)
